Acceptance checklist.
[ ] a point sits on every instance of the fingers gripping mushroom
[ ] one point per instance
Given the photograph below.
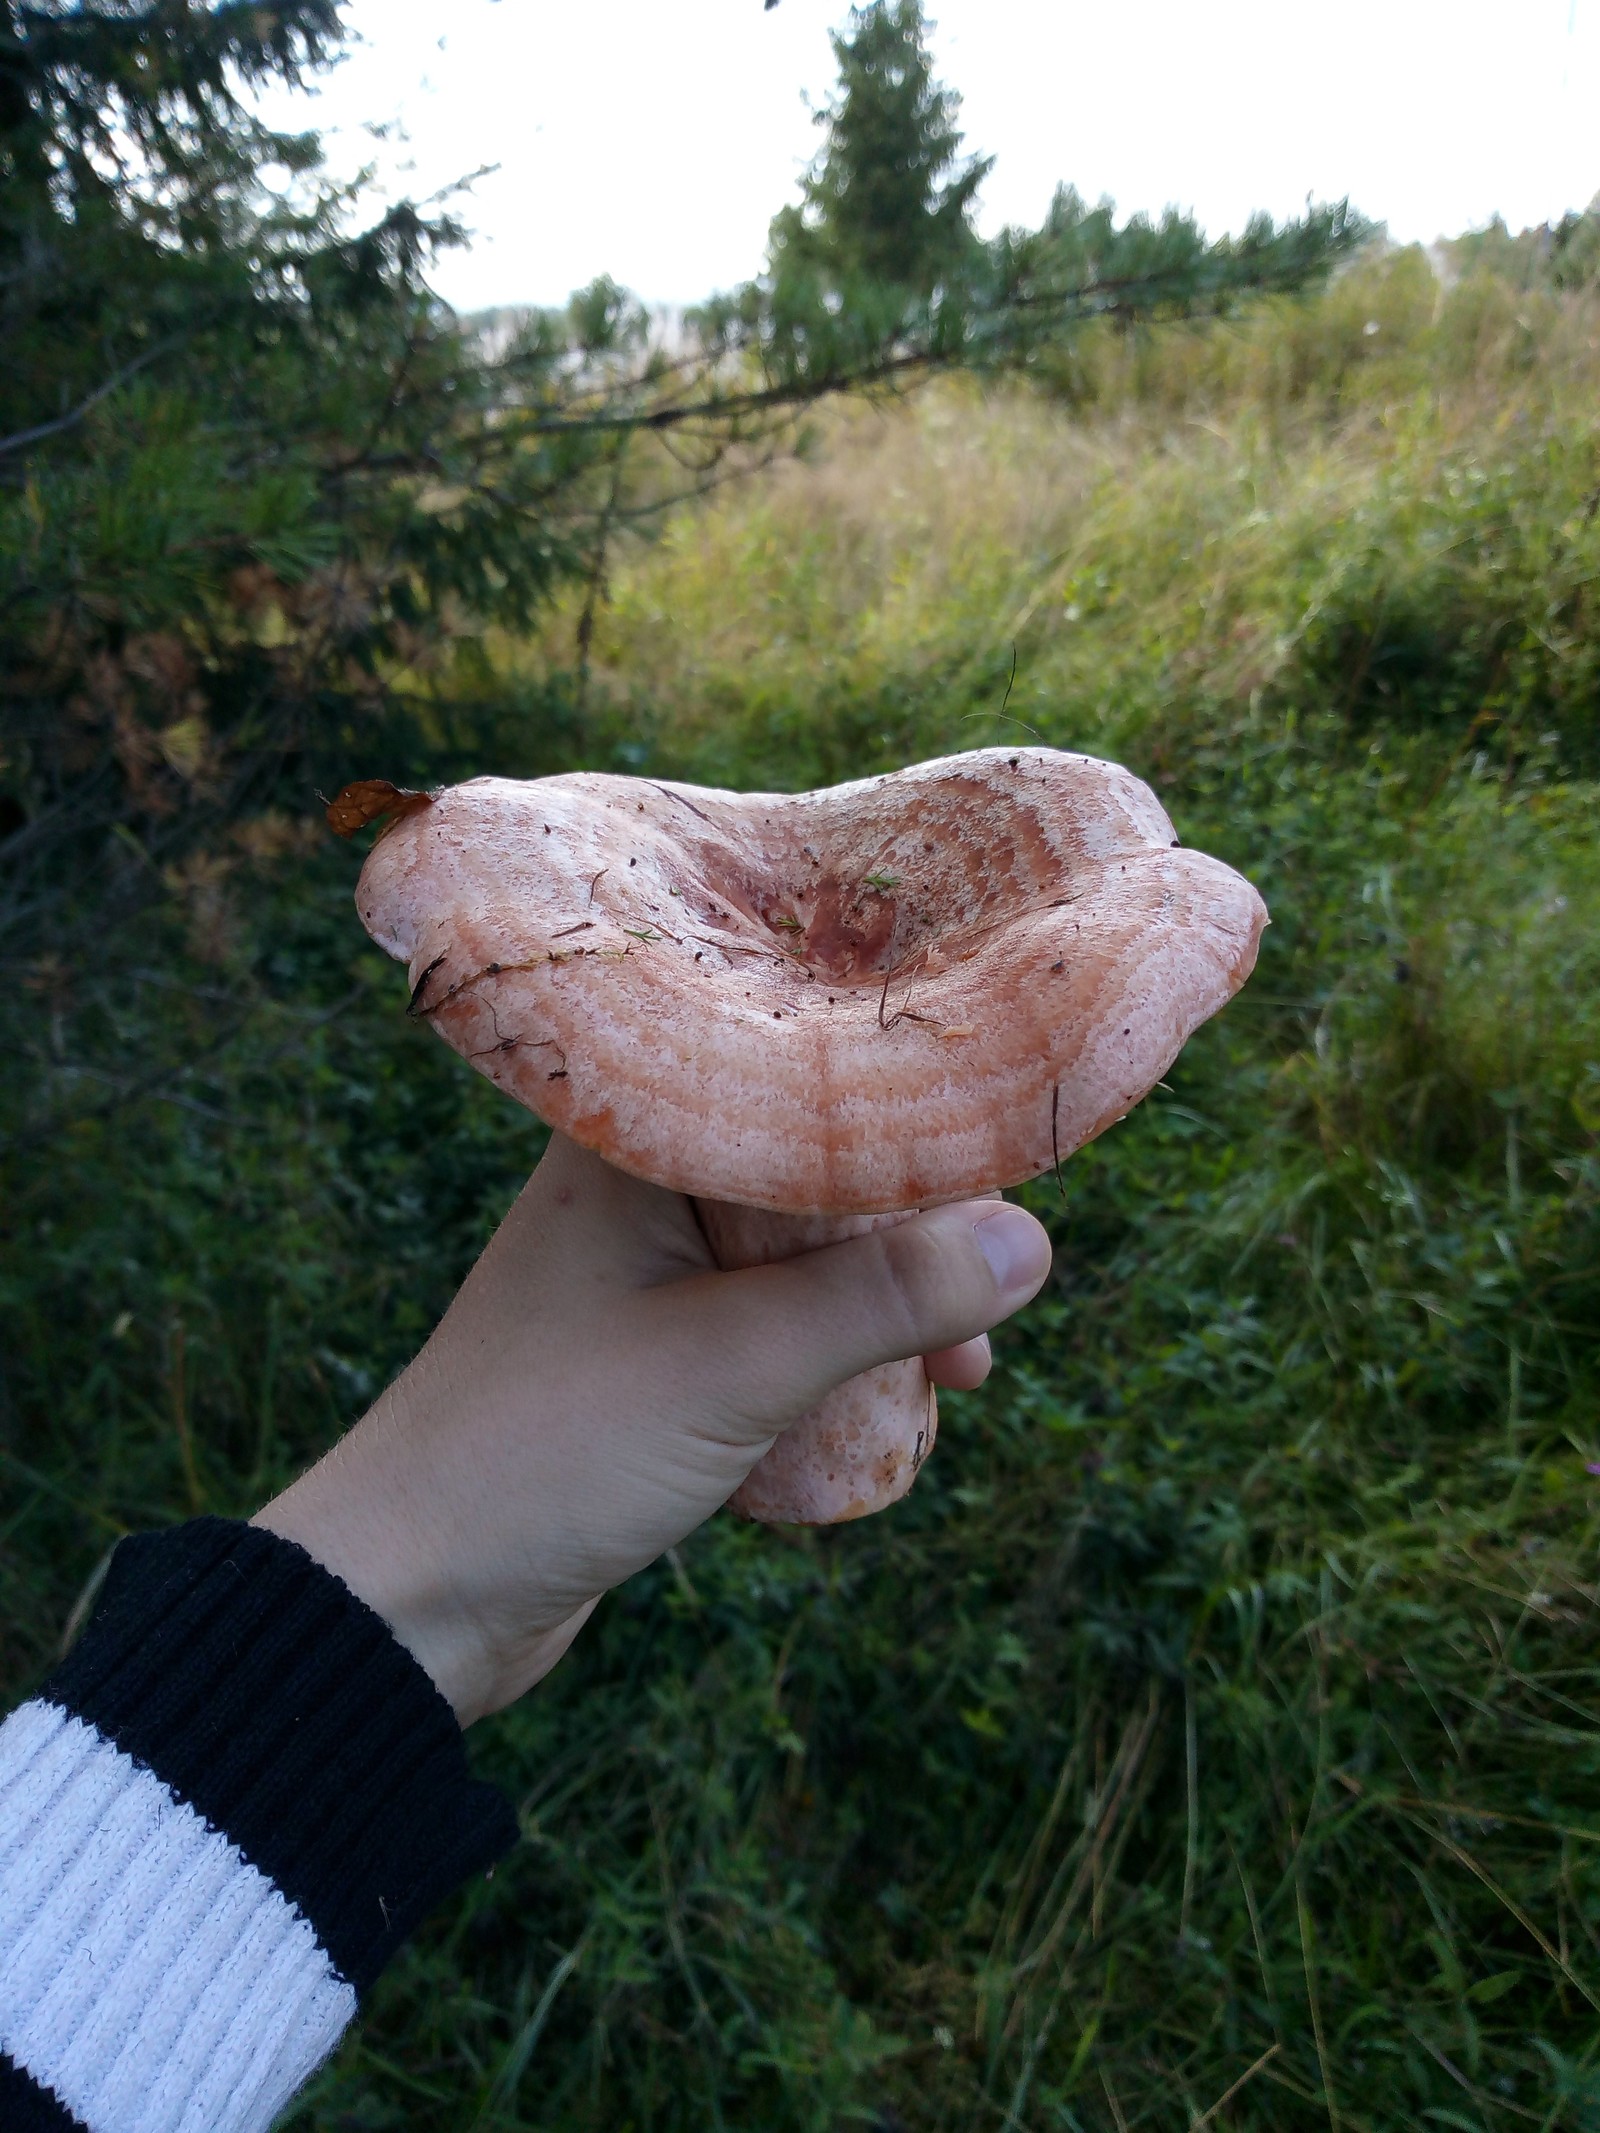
(814, 1012)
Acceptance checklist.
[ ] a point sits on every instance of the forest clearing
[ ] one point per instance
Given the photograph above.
(1212, 1737)
(1226, 1685)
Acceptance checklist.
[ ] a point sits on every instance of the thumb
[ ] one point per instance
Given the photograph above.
(772, 1340)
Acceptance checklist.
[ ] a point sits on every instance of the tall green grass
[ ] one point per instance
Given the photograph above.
(1213, 1738)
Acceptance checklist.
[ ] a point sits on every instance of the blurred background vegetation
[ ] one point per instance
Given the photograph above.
(1212, 1737)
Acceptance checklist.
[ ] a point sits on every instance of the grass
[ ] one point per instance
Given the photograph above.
(1213, 1737)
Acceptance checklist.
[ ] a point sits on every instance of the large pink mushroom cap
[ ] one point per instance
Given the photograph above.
(816, 1011)
(869, 998)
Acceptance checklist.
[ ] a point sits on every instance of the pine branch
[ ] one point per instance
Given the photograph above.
(24, 440)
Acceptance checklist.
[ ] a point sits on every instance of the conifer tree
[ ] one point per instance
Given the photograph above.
(248, 461)
(889, 197)
(876, 276)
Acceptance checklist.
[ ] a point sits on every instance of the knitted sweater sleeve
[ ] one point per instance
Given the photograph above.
(218, 1820)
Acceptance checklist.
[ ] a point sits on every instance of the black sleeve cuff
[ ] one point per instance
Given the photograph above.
(26, 2107)
(259, 1689)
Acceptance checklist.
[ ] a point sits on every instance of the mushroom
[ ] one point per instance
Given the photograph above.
(818, 1012)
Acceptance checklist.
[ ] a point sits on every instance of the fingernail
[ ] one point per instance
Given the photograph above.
(1014, 1246)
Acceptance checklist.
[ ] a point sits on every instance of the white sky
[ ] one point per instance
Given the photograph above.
(654, 141)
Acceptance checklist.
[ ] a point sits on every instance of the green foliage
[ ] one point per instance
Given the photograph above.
(1387, 329)
(267, 508)
(110, 107)
(1218, 1717)
(876, 277)
(1564, 255)
(1222, 1705)
(258, 489)
(886, 201)
(265, 503)
(1575, 250)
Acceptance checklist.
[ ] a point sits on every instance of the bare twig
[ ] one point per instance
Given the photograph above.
(20, 440)
(1228, 2094)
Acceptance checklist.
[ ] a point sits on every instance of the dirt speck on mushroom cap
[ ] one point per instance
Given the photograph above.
(871, 997)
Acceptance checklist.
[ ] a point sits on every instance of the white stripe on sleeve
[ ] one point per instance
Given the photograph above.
(149, 1974)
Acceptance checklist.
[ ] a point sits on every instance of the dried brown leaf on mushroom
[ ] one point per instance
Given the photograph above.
(357, 806)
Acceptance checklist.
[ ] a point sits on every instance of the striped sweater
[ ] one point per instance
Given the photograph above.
(218, 1820)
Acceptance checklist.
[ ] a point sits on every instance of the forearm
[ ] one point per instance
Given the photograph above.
(245, 1786)
(217, 1822)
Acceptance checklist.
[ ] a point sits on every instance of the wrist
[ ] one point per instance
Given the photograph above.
(476, 1675)
(476, 1670)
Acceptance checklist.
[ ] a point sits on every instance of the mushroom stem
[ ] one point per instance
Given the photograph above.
(860, 1448)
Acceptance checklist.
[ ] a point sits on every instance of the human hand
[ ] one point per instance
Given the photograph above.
(598, 1388)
